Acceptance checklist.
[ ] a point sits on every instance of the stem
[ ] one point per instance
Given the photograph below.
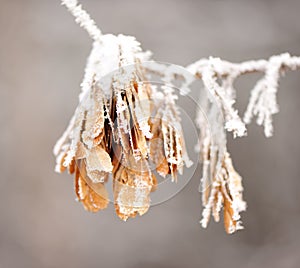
(225, 68)
(83, 18)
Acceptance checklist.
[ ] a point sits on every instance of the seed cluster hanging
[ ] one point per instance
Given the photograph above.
(120, 132)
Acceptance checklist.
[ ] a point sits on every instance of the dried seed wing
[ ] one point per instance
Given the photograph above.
(80, 151)
(132, 188)
(60, 159)
(154, 183)
(229, 222)
(92, 195)
(158, 157)
(71, 167)
(98, 160)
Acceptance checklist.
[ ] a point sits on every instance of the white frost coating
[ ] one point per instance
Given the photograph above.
(236, 126)
(208, 207)
(219, 205)
(103, 64)
(143, 123)
(64, 138)
(83, 18)
(138, 195)
(233, 121)
(142, 190)
(262, 104)
(74, 136)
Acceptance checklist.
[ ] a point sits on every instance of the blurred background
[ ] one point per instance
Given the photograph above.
(42, 58)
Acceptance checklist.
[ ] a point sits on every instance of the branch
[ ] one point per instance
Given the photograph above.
(262, 102)
(225, 68)
(83, 18)
(221, 184)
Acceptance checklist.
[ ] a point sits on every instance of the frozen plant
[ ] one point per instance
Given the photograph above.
(221, 184)
(123, 125)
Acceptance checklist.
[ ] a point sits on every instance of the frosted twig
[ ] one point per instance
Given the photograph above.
(83, 18)
(225, 68)
(233, 122)
(263, 97)
(221, 184)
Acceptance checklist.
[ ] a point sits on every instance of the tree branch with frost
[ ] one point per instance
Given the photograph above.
(83, 18)
(262, 104)
(221, 184)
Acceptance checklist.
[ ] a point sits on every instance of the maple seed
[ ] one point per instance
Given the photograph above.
(117, 136)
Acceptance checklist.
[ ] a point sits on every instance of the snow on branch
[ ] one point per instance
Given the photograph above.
(83, 18)
(262, 104)
(221, 186)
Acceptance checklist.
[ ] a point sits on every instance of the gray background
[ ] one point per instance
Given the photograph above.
(42, 57)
